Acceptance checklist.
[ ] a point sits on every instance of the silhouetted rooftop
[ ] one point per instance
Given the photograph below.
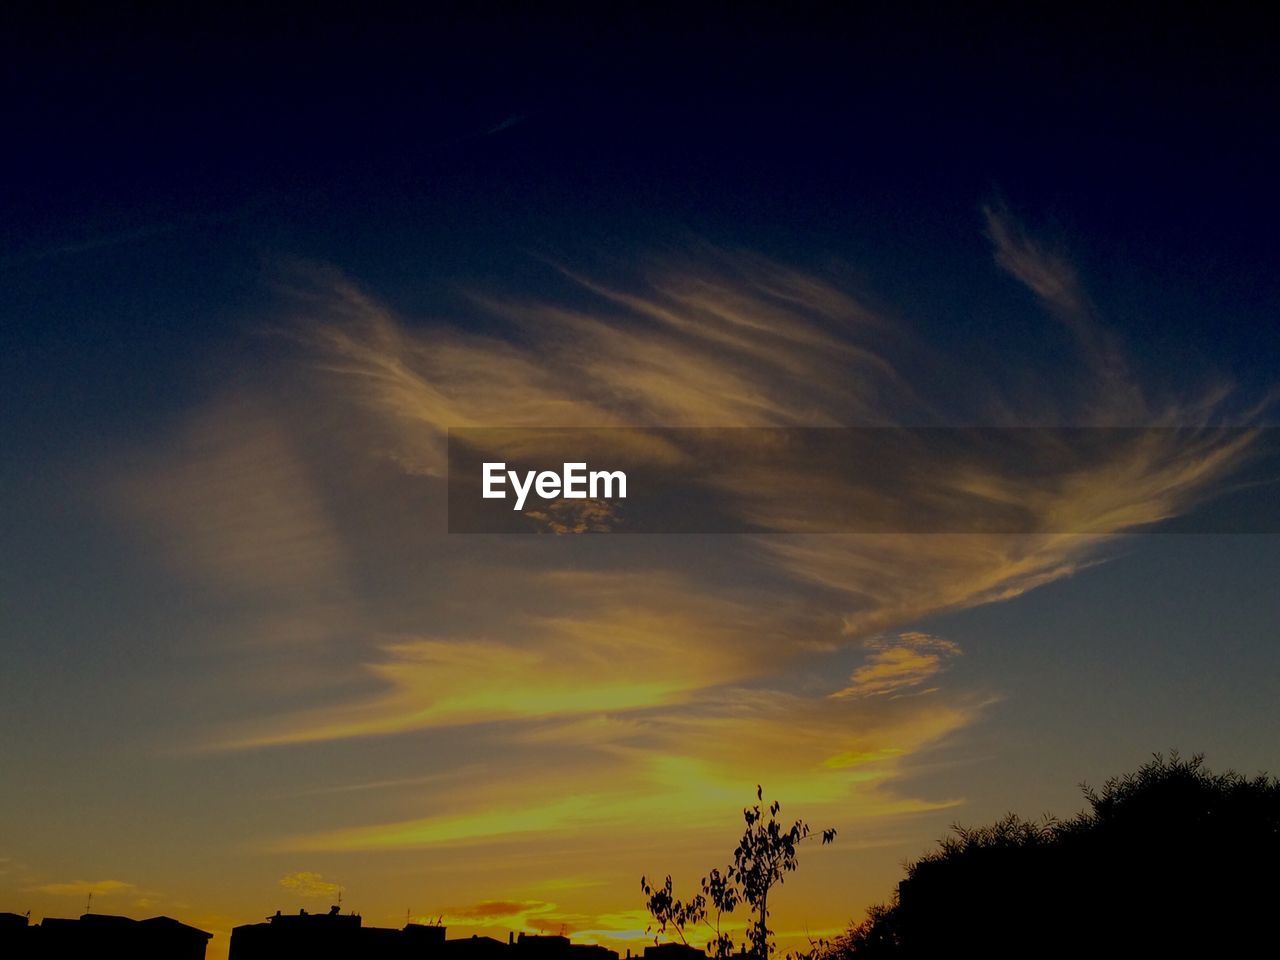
(673, 951)
(100, 935)
(108, 920)
(332, 935)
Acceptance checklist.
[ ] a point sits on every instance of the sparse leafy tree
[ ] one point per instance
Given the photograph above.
(767, 852)
(671, 915)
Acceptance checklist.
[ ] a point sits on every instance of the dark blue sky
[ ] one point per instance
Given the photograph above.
(225, 583)
(158, 168)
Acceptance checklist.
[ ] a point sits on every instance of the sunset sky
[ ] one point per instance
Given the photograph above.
(251, 275)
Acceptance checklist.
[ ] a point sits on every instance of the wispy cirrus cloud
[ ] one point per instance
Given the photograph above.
(835, 754)
(650, 679)
(1046, 272)
(1052, 277)
(492, 911)
(230, 498)
(895, 664)
(605, 643)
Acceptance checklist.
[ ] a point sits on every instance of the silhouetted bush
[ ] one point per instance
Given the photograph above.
(1170, 861)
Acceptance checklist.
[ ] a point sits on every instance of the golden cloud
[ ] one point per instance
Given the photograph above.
(659, 676)
(899, 663)
(493, 911)
(308, 884)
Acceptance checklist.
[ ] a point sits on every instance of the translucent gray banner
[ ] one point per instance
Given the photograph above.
(1087, 481)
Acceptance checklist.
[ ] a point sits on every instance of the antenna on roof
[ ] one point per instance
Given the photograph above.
(88, 905)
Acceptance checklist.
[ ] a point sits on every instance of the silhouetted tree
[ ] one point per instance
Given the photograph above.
(1171, 860)
(767, 852)
(875, 937)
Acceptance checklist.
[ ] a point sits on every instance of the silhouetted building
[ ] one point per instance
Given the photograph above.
(532, 946)
(337, 936)
(333, 935)
(673, 951)
(429, 937)
(591, 951)
(99, 935)
(477, 948)
(16, 935)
